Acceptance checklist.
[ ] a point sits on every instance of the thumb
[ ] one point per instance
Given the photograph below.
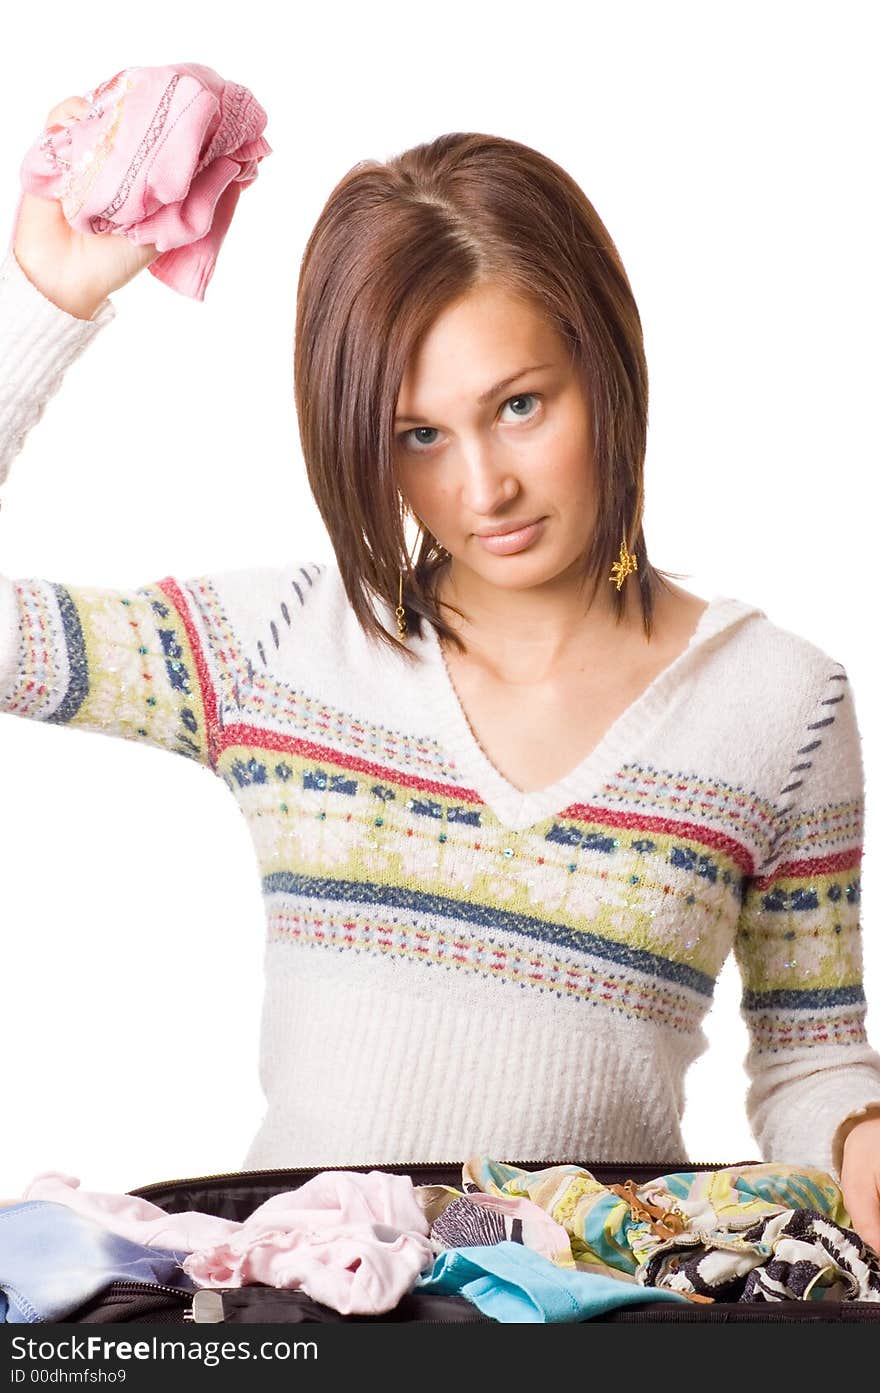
(40, 216)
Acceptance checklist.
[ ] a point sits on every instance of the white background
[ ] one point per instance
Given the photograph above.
(731, 151)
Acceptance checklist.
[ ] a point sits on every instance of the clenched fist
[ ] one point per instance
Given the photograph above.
(75, 270)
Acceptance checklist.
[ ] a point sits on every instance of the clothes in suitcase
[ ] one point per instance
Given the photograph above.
(235, 1195)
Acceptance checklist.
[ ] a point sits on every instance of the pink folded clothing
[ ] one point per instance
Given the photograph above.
(355, 1267)
(161, 156)
(355, 1242)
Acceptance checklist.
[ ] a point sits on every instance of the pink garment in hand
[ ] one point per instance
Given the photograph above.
(355, 1242)
(161, 157)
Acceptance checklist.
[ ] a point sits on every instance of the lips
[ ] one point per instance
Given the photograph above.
(506, 543)
(507, 528)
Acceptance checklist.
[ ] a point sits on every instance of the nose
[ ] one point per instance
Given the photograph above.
(488, 479)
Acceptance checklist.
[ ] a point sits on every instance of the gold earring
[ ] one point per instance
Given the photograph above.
(624, 566)
(400, 612)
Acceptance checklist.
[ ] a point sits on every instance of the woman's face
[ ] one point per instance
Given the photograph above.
(472, 457)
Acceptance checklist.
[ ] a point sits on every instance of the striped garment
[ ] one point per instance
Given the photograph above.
(452, 965)
(744, 1233)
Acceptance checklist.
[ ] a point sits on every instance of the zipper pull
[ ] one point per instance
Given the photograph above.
(207, 1305)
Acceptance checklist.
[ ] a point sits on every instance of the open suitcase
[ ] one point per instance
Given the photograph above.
(234, 1195)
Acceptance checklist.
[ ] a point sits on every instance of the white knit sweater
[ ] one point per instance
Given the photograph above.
(453, 965)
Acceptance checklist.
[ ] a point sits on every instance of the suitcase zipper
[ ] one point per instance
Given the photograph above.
(658, 1310)
(179, 1292)
(154, 1286)
(656, 1168)
(208, 1309)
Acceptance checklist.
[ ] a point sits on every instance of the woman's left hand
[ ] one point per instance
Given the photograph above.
(860, 1179)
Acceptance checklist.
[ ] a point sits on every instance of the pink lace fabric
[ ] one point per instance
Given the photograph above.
(161, 156)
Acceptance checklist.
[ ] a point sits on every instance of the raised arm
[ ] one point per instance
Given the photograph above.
(137, 663)
(167, 663)
(55, 285)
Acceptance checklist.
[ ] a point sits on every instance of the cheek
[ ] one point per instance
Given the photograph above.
(408, 481)
(423, 497)
(564, 457)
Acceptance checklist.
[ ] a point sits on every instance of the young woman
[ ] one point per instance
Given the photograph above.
(514, 798)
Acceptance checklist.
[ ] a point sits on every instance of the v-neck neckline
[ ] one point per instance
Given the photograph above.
(516, 809)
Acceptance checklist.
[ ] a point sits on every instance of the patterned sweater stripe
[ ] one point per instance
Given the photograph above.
(237, 736)
(207, 697)
(119, 662)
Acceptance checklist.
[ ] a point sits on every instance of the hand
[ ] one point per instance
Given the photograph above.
(860, 1179)
(75, 270)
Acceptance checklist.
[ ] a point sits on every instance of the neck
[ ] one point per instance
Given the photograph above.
(537, 631)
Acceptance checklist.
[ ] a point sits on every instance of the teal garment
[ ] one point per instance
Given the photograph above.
(512, 1283)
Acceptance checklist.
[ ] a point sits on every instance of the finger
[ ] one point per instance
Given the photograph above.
(38, 215)
(35, 214)
(865, 1215)
(72, 108)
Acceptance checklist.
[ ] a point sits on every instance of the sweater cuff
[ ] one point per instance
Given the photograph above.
(38, 342)
(9, 634)
(845, 1126)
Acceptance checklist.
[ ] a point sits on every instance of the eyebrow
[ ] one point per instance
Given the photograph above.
(491, 392)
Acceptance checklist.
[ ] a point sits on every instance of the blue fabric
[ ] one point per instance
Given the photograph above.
(512, 1283)
(53, 1259)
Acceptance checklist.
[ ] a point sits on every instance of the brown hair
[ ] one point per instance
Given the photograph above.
(394, 245)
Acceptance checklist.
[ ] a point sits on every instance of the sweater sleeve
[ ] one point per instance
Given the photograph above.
(813, 1073)
(126, 662)
(169, 663)
(129, 662)
(162, 663)
(38, 343)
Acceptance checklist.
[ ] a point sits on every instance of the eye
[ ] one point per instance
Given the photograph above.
(404, 438)
(419, 446)
(523, 396)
